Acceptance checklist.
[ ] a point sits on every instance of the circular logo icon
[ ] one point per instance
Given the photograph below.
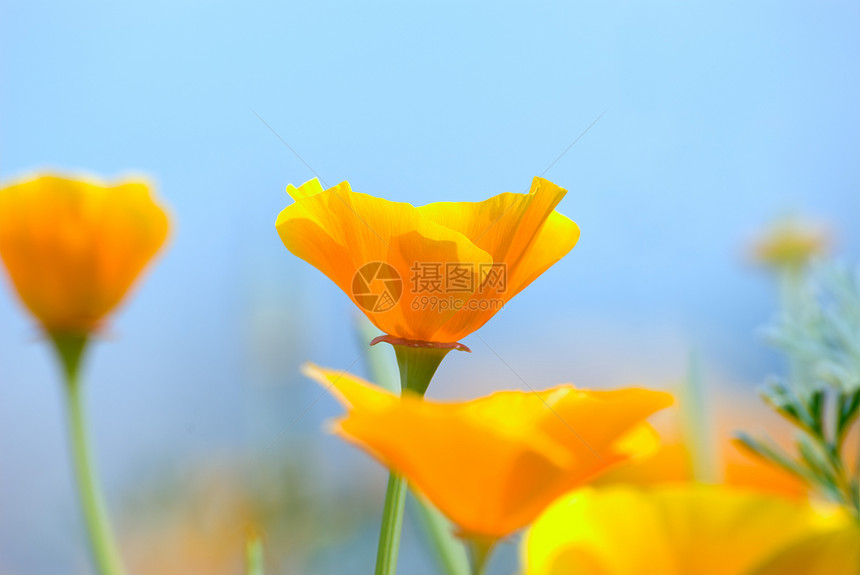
(376, 287)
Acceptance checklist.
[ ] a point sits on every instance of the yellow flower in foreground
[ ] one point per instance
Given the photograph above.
(73, 248)
(833, 552)
(434, 273)
(683, 530)
(493, 464)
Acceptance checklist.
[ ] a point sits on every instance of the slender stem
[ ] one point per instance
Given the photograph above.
(479, 553)
(448, 549)
(841, 473)
(253, 555)
(392, 523)
(704, 462)
(417, 366)
(102, 545)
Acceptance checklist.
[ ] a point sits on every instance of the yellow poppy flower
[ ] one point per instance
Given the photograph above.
(73, 248)
(492, 464)
(435, 273)
(832, 552)
(680, 530)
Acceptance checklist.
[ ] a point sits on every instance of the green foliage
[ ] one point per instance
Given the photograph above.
(819, 333)
(254, 556)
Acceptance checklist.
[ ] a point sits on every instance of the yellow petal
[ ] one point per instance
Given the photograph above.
(833, 552)
(642, 441)
(349, 389)
(74, 248)
(602, 417)
(507, 226)
(483, 482)
(584, 533)
(522, 233)
(672, 463)
(492, 464)
(309, 188)
(671, 531)
(379, 252)
(341, 232)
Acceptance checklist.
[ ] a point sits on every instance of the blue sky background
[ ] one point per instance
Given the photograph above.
(719, 118)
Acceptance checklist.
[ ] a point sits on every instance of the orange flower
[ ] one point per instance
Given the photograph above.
(672, 463)
(435, 273)
(73, 248)
(493, 464)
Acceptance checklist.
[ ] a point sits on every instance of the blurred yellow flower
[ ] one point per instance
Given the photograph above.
(679, 530)
(493, 464)
(791, 244)
(672, 464)
(73, 248)
(833, 552)
(435, 273)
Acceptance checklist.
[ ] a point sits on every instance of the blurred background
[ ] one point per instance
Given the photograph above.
(708, 122)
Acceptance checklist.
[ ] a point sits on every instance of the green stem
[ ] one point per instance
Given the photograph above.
(447, 549)
(392, 523)
(254, 556)
(102, 545)
(697, 426)
(479, 553)
(417, 365)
